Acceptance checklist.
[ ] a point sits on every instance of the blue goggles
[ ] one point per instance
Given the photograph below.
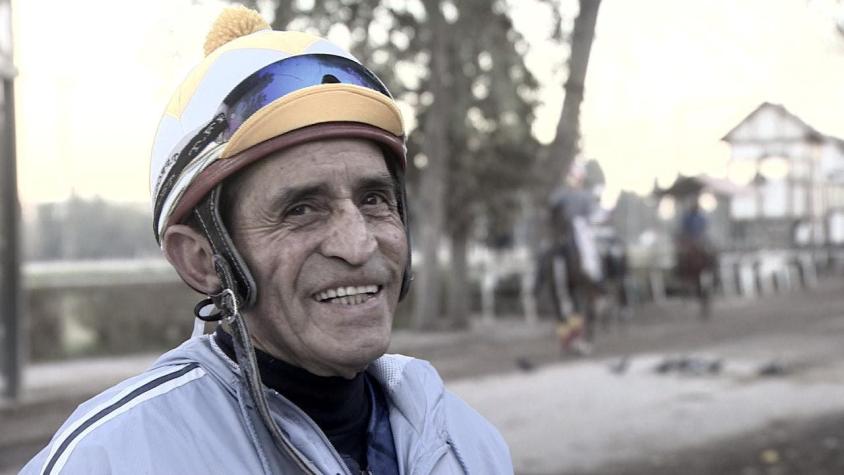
(283, 77)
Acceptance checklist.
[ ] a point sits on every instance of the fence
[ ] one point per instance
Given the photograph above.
(129, 306)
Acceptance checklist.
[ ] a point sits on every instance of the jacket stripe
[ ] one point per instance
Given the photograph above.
(148, 388)
(145, 378)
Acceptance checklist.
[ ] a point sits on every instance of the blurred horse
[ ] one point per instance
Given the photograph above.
(617, 308)
(695, 268)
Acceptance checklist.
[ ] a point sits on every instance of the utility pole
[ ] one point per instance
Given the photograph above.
(10, 314)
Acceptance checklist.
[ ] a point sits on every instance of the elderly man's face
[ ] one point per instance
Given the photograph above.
(319, 227)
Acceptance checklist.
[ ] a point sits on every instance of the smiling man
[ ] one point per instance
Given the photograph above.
(278, 193)
(319, 227)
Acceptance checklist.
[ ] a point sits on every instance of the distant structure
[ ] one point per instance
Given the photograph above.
(773, 232)
(796, 198)
(688, 188)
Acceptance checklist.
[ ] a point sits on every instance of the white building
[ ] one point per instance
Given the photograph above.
(797, 193)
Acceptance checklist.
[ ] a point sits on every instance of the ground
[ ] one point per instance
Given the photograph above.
(776, 406)
(815, 447)
(644, 402)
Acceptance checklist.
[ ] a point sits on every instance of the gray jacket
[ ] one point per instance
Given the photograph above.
(184, 416)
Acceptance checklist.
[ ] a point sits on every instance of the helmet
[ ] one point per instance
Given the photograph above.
(255, 92)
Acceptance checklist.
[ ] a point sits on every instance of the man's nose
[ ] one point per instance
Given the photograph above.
(349, 237)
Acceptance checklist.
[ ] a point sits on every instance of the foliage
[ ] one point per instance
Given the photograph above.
(633, 215)
(89, 229)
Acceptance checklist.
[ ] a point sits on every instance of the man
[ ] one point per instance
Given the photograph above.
(693, 223)
(696, 259)
(576, 270)
(278, 188)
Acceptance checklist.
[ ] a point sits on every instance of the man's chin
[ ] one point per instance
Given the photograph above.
(355, 360)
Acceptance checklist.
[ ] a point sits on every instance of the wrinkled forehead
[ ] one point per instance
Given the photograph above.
(329, 167)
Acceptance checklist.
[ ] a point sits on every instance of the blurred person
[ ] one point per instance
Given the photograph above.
(693, 224)
(695, 255)
(563, 260)
(278, 188)
(576, 266)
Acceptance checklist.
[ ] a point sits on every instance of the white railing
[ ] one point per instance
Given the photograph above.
(98, 273)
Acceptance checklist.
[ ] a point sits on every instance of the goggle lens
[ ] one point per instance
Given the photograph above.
(289, 75)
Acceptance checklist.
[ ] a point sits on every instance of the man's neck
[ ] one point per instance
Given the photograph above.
(333, 402)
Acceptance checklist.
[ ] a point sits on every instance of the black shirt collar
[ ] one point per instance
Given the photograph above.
(336, 404)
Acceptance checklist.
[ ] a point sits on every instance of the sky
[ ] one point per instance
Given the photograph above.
(667, 79)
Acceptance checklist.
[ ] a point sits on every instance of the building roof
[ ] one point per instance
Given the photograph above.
(794, 128)
(692, 185)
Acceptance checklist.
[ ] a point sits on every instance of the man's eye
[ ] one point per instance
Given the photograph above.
(379, 199)
(299, 210)
(373, 199)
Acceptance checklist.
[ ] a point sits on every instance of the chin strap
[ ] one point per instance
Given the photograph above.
(225, 306)
(211, 220)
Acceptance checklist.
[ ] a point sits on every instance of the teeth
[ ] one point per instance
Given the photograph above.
(349, 295)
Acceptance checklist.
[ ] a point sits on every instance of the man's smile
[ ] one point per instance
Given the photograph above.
(348, 295)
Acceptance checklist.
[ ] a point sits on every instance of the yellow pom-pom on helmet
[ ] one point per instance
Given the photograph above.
(233, 23)
(258, 91)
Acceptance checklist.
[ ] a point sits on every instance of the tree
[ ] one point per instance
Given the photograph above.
(566, 144)
(492, 151)
(435, 128)
(839, 22)
(633, 215)
(90, 229)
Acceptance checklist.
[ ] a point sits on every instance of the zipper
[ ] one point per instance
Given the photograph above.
(236, 369)
(424, 465)
(315, 428)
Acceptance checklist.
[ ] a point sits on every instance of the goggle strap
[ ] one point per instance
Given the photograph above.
(231, 268)
(186, 155)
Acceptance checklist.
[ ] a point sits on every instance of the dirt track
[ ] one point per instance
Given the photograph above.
(670, 327)
(813, 447)
(803, 330)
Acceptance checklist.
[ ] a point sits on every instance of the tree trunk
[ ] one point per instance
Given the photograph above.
(11, 315)
(566, 143)
(458, 298)
(431, 215)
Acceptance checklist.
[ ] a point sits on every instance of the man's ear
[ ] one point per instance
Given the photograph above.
(190, 253)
